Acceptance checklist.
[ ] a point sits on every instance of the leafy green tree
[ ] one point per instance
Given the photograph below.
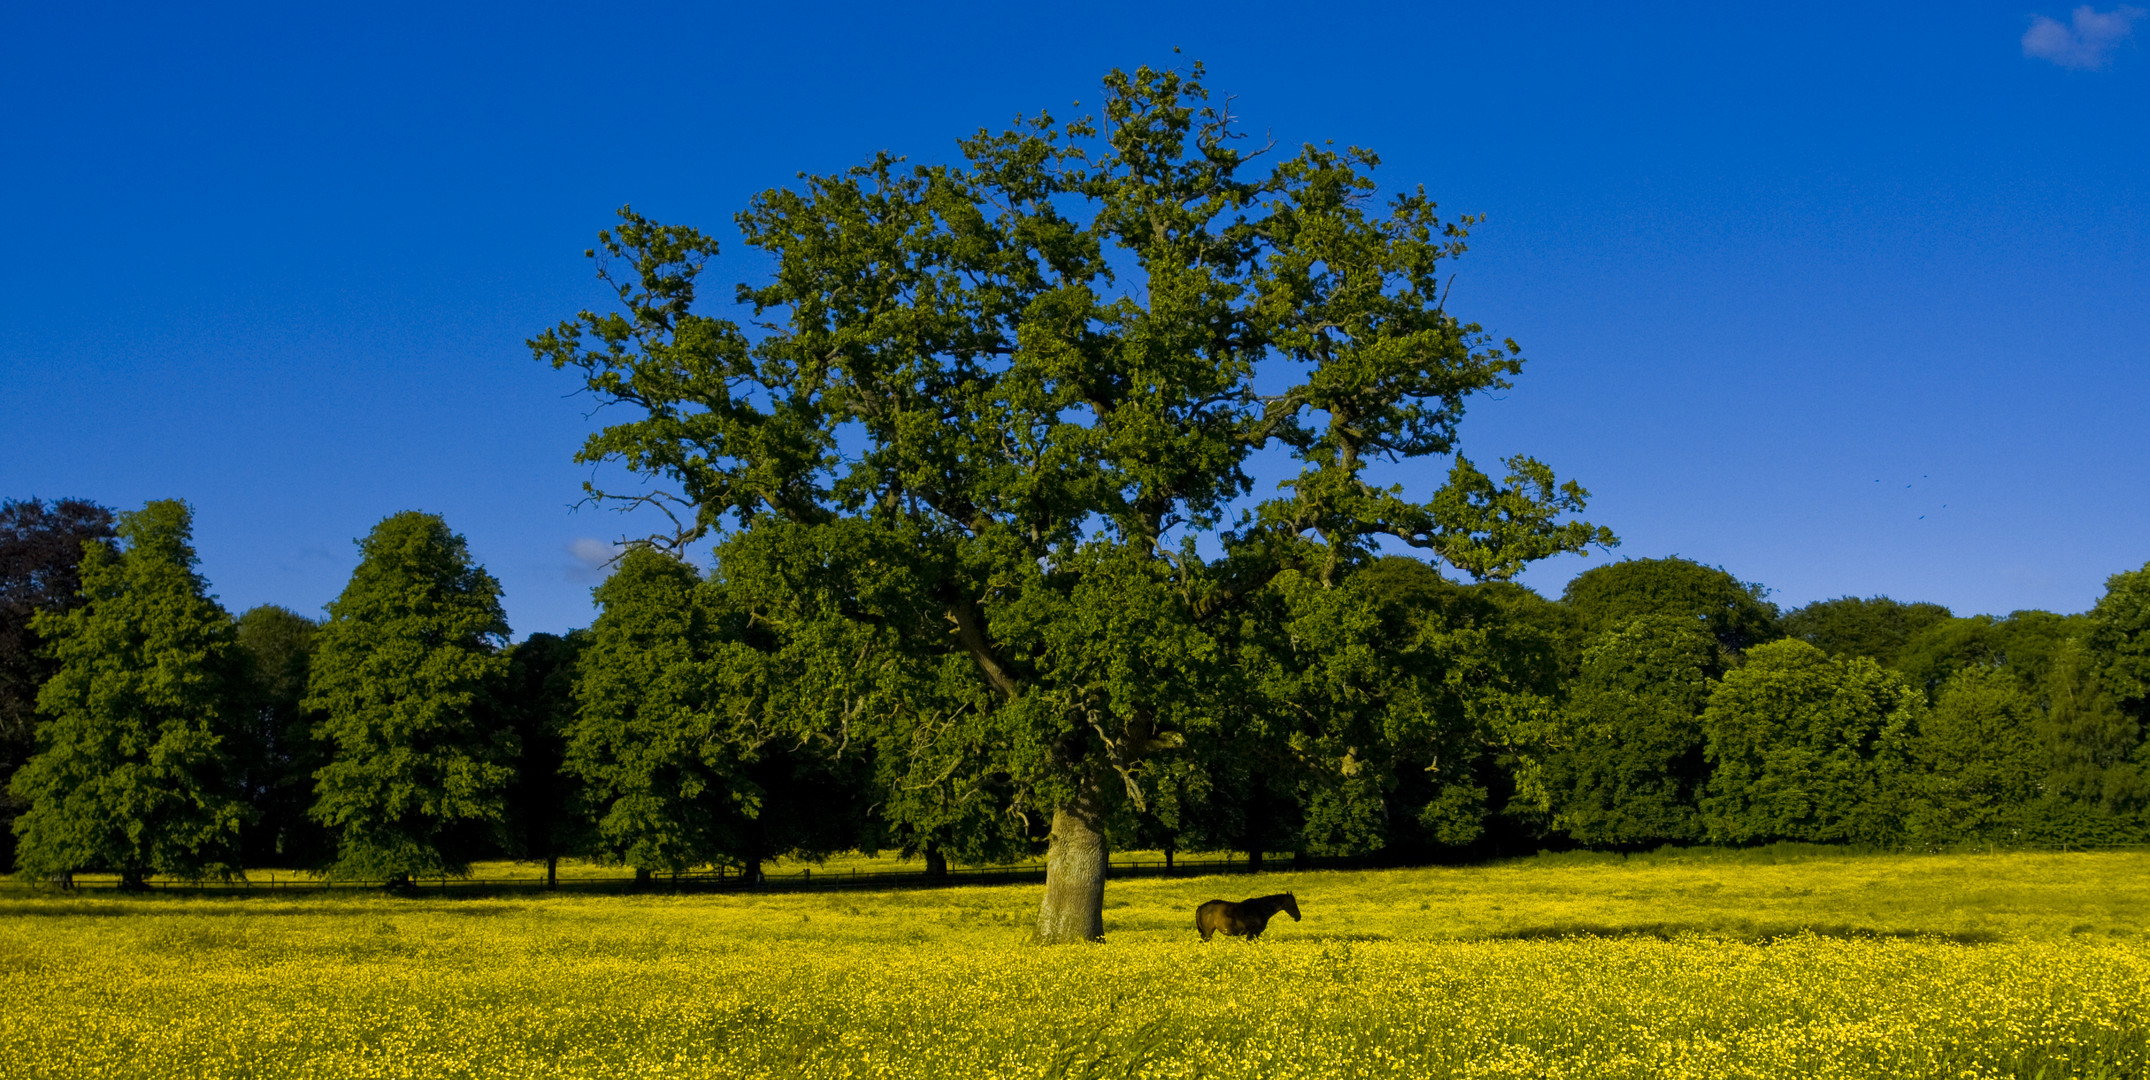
(2095, 784)
(404, 672)
(2119, 634)
(1734, 611)
(647, 741)
(131, 773)
(1632, 769)
(684, 733)
(273, 740)
(1806, 747)
(1411, 712)
(2024, 644)
(548, 816)
(1979, 761)
(1875, 627)
(40, 546)
(1025, 389)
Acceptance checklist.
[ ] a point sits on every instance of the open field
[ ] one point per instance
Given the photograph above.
(1755, 964)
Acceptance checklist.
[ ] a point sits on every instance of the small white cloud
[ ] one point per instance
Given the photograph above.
(2087, 44)
(592, 557)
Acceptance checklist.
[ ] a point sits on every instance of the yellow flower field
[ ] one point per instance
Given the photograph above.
(1701, 966)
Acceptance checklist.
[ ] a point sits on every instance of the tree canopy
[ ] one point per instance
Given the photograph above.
(403, 672)
(132, 774)
(273, 740)
(1632, 765)
(1874, 627)
(40, 546)
(1736, 612)
(1808, 747)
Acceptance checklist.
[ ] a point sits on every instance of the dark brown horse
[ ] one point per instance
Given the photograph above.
(1247, 918)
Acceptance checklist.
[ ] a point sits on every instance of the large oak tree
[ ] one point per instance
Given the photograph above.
(989, 435)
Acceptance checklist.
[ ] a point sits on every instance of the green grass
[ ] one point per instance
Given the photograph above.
(1769, 963)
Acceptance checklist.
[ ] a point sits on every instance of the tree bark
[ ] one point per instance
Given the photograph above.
(1074, 908)
(936, 864)
(552, 871)
(1254, 860)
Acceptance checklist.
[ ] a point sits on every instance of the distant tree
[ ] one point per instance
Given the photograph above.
(1404, 712)
(1734, 611)
(690, 735)
(40, 545)
(646, 742)
(1632, 768)
(1806, 747)
(2023, 644)
(273, 739)
(2097, 782)
(2119, 637)
(548, 816)
(1875, 627)
(131, 773)
(404, 671)
(1978, 761)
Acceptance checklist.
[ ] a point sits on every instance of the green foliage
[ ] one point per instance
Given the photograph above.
(2095, 783)
(132, 774)
(273, 739)
(2024, 644)
(1632, 767)
(648, 739)
(1734, 611)
(548, 817)
(40, 545)
(1023, 389)
(1850, 626)
(1979, 761)
(1807, 747)
(403, 675)
(1395, 710)
(2119, 632)
(690, 737)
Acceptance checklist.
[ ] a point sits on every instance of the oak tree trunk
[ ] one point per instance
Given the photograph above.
(552, 871)
(936, 864)
(1074, 908)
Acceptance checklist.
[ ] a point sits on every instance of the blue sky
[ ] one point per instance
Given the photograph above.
(1847, 300)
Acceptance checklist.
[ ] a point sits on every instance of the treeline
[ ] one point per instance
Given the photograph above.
(1387, 712)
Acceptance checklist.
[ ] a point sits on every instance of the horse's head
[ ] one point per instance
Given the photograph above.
(1290, 906)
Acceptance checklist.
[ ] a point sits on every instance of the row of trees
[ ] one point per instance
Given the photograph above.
(1658, 701)
(990, 571)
